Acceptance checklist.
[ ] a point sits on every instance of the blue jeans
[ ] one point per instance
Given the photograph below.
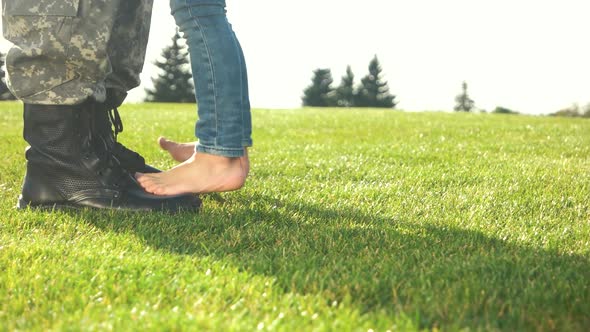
(224, 126)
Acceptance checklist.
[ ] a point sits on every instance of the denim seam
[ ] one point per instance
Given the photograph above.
(196, 20)
(241, 61)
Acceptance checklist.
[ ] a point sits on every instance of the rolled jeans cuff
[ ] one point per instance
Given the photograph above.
(224, 152)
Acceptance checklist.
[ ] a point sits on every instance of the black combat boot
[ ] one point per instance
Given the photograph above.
(68, 165)
(109, 125)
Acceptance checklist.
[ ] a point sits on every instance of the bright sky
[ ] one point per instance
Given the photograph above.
(530, 56)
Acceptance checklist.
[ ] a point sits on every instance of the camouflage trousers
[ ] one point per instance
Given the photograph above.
(66, 51)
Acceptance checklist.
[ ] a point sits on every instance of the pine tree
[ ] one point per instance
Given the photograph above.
(373, 91)
(174, 81)
(320, 92)
(345, 91)
(463, 102)
(5, 94)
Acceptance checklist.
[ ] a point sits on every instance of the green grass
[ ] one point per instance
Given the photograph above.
(351, 220)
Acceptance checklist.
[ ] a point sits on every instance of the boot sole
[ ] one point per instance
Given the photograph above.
(23, 205)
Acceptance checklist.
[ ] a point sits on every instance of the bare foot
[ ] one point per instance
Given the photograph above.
(201, 173)
(182, 151)
(179, 151)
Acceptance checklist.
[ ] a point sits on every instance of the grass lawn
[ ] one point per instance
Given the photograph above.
(352, 220)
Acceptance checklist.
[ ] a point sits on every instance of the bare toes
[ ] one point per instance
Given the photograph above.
(144, 182)
(160, 192)
(166, 144)
(147, 182)
(153, 189)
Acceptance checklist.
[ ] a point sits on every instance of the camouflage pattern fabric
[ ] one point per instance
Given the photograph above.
(68, 50)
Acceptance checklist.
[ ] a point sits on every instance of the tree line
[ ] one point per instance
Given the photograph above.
(173, 83)
(463, 103)
(372, 91)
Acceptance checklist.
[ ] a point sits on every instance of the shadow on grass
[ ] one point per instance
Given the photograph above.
(446, 277)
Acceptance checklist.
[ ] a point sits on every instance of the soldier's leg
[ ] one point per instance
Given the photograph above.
(126, 50)
(60, 49)
(58, 67)
(127, 46)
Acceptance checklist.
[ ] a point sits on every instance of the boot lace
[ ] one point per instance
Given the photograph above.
(108, 163)
(115, 118)
(126, 155)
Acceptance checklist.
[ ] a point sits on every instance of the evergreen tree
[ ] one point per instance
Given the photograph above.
(5, 94)
(345, 91)
(373, 91)
(320, 92)
(463, 102)
(174, 81)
